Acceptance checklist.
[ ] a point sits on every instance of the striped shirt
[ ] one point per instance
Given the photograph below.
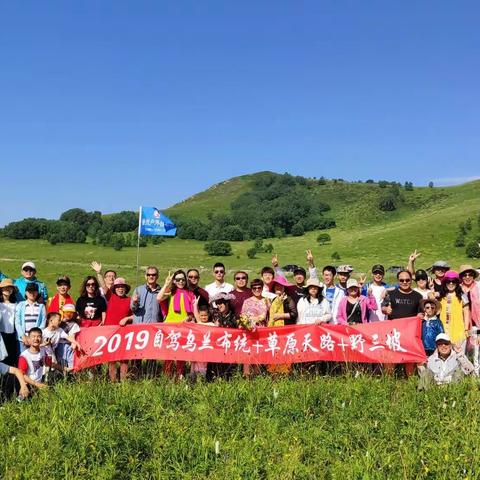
(32, 311)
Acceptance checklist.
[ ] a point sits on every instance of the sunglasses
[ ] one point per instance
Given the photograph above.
(181, 279)
(219, 271)
(258, 287)
(28, 269)
(151, 274)
(404, 280)
(429, 307)
(193, 277)
(451, 281)
(468, 274)
(90, 285)
(240, 278)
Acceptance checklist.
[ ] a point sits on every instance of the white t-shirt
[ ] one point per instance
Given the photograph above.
(7, 317)
(54, 336)
(32, 364)
(309, 312)
(423, 293)
(378, 291)
(214, 289)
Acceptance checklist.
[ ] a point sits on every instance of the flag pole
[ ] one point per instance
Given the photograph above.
(138, 241)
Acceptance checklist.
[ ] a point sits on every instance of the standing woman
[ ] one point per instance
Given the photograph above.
(177, 302)
(91, 306)
(455, 313)
(283, 310)
(468, 277)
(313, 308)
(354, 307)
(8, 294)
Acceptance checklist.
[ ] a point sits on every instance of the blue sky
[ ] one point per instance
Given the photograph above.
(113, 104)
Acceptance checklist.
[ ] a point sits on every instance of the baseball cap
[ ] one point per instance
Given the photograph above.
(29, 265)
(378, 268)
(442, 337)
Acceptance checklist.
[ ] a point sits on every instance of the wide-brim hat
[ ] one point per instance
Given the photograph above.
(451, 275)
(312, 282)
(467, 268)
(121, 282)
(227, 297)
(281, 281)
(441, 264)
(352, 283)
(8, 282)
(438, 306)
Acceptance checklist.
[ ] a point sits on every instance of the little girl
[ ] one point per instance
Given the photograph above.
(431, 324)
(71, 327)
(52, 334)
(202, 316)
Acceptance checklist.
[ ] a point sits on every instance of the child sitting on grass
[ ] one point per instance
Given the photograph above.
(202, 317)
(34, 359)
(52, 334)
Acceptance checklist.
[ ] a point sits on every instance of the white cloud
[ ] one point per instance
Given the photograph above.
(444, 182)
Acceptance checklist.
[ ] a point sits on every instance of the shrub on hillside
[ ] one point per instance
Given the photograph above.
(218, 248)
(473, 250)
(323, 238)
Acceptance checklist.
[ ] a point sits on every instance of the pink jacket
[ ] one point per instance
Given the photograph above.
(366, 303)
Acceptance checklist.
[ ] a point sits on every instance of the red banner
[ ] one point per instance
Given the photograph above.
(396, 341)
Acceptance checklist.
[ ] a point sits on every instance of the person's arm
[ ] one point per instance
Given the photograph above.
(387, 305)
(465, 364)
(97, 267)
(126, 320)
(411, 262)
(164, 292)
(466, 318)
(24, 392)
(278, 270)
(341, 318)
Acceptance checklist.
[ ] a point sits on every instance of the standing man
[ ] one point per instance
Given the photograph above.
(330, 291)
(343, 274)
(144, 304)
(219, 285)
(193, 284)
(29, 271)
(241, 292)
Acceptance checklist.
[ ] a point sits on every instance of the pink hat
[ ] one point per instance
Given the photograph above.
(121, 282)
(281, 281)
(451, 275)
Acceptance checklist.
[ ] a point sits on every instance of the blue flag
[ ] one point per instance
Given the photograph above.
(153, 222)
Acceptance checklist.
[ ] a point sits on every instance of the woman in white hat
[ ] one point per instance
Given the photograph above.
(313, 308)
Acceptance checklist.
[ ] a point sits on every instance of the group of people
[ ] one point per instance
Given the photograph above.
(38, 331)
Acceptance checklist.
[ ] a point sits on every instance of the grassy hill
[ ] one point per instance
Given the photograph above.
(427, 220)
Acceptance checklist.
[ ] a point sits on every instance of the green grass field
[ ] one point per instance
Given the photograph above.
(301, 428)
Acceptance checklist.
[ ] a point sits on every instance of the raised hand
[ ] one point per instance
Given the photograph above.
(362, 279)
(309, 257)
(169, 278)
(275, 260)
(96, 266)
(414, 255)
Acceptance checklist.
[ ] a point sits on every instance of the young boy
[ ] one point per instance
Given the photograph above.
(61, 298)
(431, 324)
(29, 314)
(33, 360)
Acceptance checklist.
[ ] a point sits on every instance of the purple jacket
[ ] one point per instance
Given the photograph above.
(366, 303)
